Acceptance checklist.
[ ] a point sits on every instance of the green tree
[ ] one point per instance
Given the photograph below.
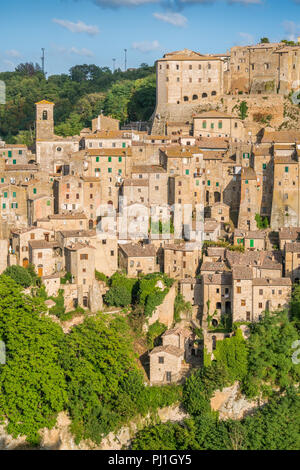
(233, 354)
(32, 383)
(264, 41)
(20, 275)
(243, 110)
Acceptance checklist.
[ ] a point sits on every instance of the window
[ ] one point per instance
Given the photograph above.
(40, 255)
(260, 305)
(3, 206)
(169, 376)
(48, 203)
(20, 152)
(204, 124)
(286, 169)
(9, 154)
(34, 190)
(109, 159)
(243, 303)
(264, 166)
(246, 182)
(14, 194)
(248, 316)
(251, 243)
(120, 159)
(220, 124)
(161, 360)
(208, 183)
(5, 195)
(45, 115)
(112, 253)
(185, 98)
(14, 162)
(109, 170)
(238, 290)
(187, 172)
(84, 256)
(97, 159)
(261, 291)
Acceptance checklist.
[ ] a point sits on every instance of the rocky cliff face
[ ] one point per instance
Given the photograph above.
(60, 437)
(231, 404)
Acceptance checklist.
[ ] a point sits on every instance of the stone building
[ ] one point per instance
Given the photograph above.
(80, 262)
(249, 200)
(186, 79)
(292, 261)
(137, 259)
(182, 260)
(46, 256)
(20, 239)
(218, 124)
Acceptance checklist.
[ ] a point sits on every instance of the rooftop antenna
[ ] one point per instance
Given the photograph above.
(114, 65)
(125, 50)
(43, 60)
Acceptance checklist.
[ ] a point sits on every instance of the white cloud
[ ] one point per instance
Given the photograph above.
(291, 29)
(247, 38)
(146, 46)
(82, 52)
(176, 19)
(123, 3)
(13, 53)
(74, 50)
(78, 27)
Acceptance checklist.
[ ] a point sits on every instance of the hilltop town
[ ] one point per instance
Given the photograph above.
(221, 150)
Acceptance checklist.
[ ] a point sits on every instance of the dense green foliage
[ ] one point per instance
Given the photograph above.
(24, 277)
(273, 427)
(154, 333)
(105, 388)
(261, 222)
(295, 306)
(181, 306)
(233, 354)
(78, 96)
(32, 383)
(142, 292)
(270, 355)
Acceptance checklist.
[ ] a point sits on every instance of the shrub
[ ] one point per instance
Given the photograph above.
(118, 296)
(20, 275)
(154, 332)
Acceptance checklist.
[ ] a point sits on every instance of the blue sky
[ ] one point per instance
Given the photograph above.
(96, 31)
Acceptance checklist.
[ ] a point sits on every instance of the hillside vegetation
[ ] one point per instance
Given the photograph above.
(78, 96)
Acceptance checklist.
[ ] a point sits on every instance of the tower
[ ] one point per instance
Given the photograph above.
(44, 120)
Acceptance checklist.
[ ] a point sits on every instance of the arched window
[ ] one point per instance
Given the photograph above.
(204, 95)
(185, 98)
(213, 93)
(195, 97)
(45, 115)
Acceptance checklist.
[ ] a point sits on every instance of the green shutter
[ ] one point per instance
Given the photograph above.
(14, 194)
(2, 180)
(220, 124)
(197, 182)
(208, 183)
(120, 159)
(120, 172)
(34, 190)
(217, 184)
(5, 194)
(286, 169)
(9, 154)
(97, 159)
(3, 206)
(264, 166)
(14, 162)
(110, 170)
(187, 172)
(20, 152)
(246, 182)
(124, 145)
(204, 124)
(109, 159)
(48, 203)
(251, 243)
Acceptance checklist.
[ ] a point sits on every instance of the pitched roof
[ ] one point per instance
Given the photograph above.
(178, 331)
(214, 114)
(242, 272)
(292, 247)
(147, 169)
(138, 251)
(42, 244)
(280, 281)
(169, 349)
(248, 174)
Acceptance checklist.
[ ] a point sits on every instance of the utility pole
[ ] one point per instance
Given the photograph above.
(43, 60)
(125, 50)
(114, 65)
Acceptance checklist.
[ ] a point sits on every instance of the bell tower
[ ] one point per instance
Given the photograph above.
(44, 120)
